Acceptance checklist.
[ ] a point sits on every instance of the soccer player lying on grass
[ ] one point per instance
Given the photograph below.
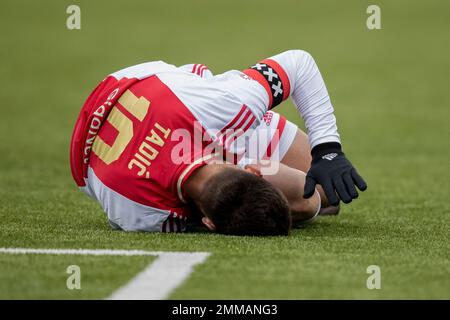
(147, 142)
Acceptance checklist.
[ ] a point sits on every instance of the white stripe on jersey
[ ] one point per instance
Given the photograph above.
(127, 214)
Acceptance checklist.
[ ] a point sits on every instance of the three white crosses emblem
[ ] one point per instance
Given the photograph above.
(270, 77)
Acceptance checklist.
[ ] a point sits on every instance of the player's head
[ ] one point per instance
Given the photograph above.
(238, 202)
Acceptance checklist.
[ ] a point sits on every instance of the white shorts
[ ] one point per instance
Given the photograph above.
(270, 140)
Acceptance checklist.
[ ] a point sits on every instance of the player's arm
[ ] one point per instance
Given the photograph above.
(291, 183)
(294, 73)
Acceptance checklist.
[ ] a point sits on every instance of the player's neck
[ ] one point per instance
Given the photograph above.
(195, 185)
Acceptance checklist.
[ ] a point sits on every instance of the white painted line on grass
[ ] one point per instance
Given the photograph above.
(157, 280)
(161, 277)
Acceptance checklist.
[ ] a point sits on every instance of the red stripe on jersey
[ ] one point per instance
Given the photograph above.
(249, 124)
(200, 67)
(231, 138)
(199, 71)
(255, 75)
(236, 158)
(194, 68)
(283, 76)
(276, 138)
(232, 122)
(225, 137)
(244, 119)
(203, 70)
(241, 131)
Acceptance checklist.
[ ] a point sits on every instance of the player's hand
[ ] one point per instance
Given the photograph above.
(334, 172)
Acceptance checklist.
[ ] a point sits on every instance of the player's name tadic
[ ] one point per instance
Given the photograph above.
(221, 147)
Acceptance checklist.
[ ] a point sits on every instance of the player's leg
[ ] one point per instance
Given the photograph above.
(281, 140)
(299, 157)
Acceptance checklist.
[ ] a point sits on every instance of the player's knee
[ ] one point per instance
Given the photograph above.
(302, 57)
(299, 53)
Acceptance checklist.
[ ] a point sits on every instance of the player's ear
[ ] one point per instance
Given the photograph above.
(209, 224)
(253, 168)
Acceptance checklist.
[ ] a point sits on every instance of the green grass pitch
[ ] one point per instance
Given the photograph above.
(390, 90)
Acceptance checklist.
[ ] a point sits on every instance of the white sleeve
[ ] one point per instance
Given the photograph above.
(294, 73)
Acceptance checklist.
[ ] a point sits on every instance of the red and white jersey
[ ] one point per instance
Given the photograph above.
(128, 148)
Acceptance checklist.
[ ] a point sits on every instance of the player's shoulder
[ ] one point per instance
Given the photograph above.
(144, 70)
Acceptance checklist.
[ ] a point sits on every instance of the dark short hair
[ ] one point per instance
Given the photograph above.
(242, 203)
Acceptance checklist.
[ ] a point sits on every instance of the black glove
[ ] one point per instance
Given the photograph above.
(331, 169)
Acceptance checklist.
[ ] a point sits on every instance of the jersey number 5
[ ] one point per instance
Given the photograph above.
(138, 107)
